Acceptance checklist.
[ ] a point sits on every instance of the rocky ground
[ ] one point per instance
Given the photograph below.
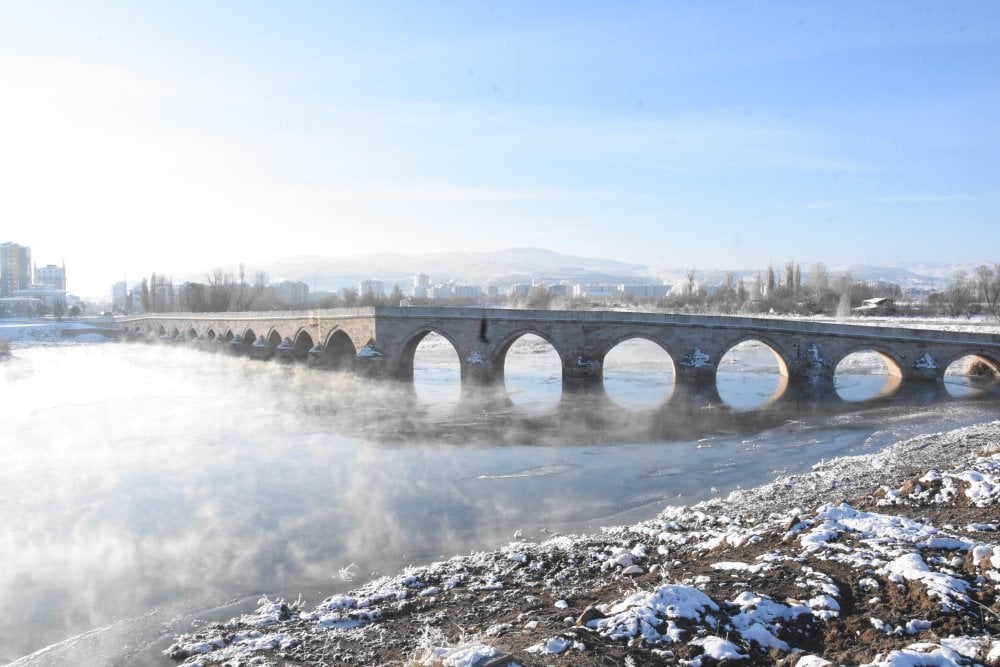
(886, 559)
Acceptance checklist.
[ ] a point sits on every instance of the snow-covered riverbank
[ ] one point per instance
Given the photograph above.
(884, 559)
(19, 333)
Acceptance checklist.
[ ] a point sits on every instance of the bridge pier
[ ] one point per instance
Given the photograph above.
(583, 373)
(478, 370)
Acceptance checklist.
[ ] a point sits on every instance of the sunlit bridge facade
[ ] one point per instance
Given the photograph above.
(697, 353)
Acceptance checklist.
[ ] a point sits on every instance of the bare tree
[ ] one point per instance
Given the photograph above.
(260, 282)
(220, 290)
(193, 297)
(818, 281)
(988, 280)
(144, 297)
(960, 294)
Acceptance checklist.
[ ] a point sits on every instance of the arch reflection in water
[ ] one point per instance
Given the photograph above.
(972, 376)
(866, 375)
(638, 374)
(532, 373)
(751, 376)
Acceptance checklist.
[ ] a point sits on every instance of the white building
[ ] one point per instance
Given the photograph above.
(52, 276)
(289, 293)
(375, 287)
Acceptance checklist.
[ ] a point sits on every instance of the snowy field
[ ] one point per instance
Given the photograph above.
(19, 333)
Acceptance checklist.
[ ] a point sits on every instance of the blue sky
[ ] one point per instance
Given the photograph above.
(179, 136)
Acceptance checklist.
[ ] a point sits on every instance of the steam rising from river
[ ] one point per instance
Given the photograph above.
(141, 485)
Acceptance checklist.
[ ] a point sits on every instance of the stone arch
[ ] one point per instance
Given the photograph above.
(893, 362)
(408, 348)
(192, 334)
(650, 388)
(890, 359)
(210, 334)
(507, 341)
(734, 392)
(301, 345)
(659, 342)
(985, 361)
(780, 355)
(338, 351)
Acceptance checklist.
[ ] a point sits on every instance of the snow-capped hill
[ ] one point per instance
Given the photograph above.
(498, 267)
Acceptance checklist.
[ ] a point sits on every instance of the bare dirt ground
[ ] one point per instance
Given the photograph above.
(887, 559)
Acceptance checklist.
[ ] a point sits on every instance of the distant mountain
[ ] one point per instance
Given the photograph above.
(502, 267)
(524, 265)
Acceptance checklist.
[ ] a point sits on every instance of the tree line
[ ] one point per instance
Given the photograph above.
(785, 291)
(823, 293)
(222, 291)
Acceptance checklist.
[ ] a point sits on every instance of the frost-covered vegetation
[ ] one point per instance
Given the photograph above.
(885, 559)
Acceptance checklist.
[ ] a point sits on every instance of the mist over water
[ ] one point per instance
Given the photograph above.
(145, 485)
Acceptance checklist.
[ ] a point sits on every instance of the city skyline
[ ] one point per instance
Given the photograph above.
(176, 138)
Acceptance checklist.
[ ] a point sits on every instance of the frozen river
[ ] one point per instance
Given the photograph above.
(143, 487)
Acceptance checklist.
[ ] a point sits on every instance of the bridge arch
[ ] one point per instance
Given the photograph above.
(780, 355)
(641, 335)
(744, 378)
(407, 350)
(503, 347)
(854, 362)
(979, 363)
(192, 334)
(539, 379)
(301, 344)
(339, 352)
(970, 374)
(638, 371)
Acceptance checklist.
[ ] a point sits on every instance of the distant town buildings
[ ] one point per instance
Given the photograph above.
(287, 294)
(121, 298)
(31, 291)
(52, 276)
(374, 289)
(15, 268)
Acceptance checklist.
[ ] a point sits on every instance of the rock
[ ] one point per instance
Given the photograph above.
(589, 614)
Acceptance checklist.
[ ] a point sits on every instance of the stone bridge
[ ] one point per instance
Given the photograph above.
(382, 341)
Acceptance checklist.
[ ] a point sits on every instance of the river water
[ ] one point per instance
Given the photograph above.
(143, 487)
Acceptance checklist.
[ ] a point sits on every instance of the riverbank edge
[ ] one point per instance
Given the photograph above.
(488, 601)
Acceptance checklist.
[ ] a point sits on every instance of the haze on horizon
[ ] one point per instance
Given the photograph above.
(176, 137)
